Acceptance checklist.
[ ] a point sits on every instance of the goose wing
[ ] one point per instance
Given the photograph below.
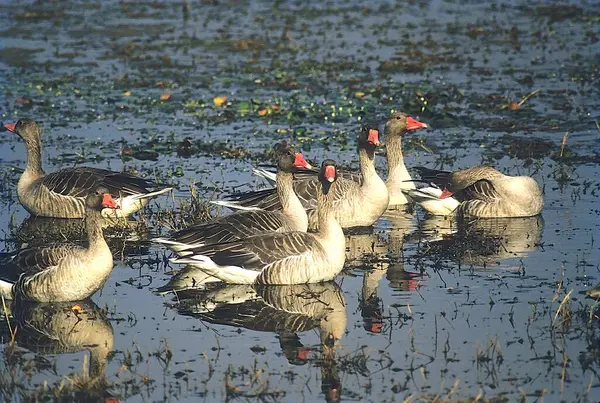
(79, 181)
(230, 228)
(435, 176)
(259, 252)
(30, 261)
(482, 190)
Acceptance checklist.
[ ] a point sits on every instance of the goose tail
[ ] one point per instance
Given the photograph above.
(228, 274)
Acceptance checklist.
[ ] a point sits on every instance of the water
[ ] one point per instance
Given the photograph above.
(432, 309)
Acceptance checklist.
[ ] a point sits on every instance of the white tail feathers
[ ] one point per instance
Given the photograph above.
(142, 196)
(177, 246)
(234, 205)
(228, 274)
(429, 199)
(263, 173)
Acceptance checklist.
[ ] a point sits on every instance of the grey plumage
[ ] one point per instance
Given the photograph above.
(61, 272)
(485, 192)
(357, 203)
(280, 258)
(61, 194)
(246, 223)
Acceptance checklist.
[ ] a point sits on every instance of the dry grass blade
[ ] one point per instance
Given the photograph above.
(561, 307)
(563, 143)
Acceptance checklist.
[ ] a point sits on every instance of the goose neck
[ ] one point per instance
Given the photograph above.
(34, 157)
(290, 203)
(396, 168)
(93, 226)
(367, 163)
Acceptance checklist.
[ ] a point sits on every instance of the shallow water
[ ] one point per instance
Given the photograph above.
(432, 309)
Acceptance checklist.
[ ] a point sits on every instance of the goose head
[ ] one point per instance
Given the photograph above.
(399, 123)
(327, 175)
(368, 139)
(100, 199)
(27, 129)
(290, 159)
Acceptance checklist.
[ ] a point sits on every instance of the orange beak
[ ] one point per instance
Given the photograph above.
(109, 202)
(10, 127)
(304, 353)
(413, 124)
(330, 173)
(374, 137)
(300, 162)
(445, 194)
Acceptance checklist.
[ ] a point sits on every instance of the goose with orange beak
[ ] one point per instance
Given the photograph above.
(360, 199)
(276, 258)
(62, 272)
(242, 224)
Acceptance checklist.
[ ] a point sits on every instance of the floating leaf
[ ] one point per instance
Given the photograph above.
(262, 112)
(77, 308)
(219, 101)
(359, 94)
(127, 94)
(165, 96)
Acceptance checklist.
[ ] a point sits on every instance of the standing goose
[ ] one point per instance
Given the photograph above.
(356, 204)
(62, 272)
(276, 258)
(485, 192)
(62, 194)
(245, 223)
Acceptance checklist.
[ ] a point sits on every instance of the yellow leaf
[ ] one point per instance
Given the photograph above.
(359, 94)
(127, 94)
(165, 96)
(77, 308)
(219, 101)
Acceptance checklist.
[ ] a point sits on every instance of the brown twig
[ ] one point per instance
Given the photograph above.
(526, 97)
(563, 143)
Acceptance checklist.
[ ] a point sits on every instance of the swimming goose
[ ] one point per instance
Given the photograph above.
(62, 272)
(485, 192)
(395, 128)
(398, 177)
(245, 223)
(62, 194)
(276, 258)
(356, 204)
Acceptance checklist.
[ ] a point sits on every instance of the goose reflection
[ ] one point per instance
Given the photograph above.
(479, 242)
(36, 231)
(62, 328)
(284, 310)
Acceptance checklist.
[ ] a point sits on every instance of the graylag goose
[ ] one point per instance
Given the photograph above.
(62, 194)
(63, 272)
(356, 204)
(281, 258)
(484, 192)
(240, 225)
(398, 178)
